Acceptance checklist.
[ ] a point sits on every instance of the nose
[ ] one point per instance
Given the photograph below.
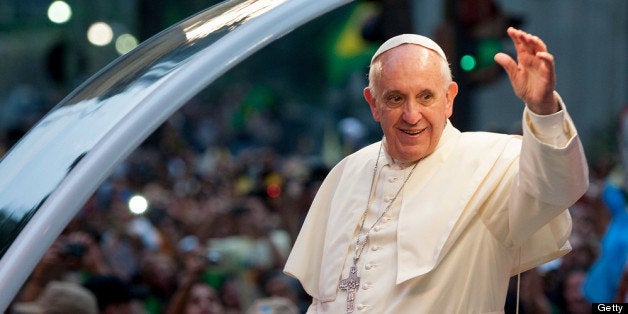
(412, 113)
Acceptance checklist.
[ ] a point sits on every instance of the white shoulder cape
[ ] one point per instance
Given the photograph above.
(454, 182)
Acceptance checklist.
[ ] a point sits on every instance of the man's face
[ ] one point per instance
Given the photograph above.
(411, 100)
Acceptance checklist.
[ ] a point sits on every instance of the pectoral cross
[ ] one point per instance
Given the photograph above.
(351, 284)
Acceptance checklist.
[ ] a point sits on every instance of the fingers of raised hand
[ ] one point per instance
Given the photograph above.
(526, 43)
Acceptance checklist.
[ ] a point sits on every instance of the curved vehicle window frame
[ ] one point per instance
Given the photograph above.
(47, 177)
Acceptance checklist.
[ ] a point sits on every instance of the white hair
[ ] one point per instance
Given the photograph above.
(375, 71)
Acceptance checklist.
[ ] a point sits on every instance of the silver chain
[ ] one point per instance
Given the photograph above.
(359, 246)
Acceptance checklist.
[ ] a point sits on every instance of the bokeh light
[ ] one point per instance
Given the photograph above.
(125, 43)
(273, 190)
(59, 12)
(138, 204)
(468, 63)
(100, 34)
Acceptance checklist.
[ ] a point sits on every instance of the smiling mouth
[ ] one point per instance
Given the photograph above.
(412, 132)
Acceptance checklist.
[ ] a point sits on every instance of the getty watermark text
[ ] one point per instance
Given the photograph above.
(609, 308)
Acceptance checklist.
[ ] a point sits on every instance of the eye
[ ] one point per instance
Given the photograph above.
(425, 97)
(394, 100)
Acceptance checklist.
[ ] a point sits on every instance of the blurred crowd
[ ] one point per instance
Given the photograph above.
(220, 224)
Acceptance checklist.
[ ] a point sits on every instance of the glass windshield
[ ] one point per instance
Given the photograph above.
(44, 157)
(114, 102)
(52, 171)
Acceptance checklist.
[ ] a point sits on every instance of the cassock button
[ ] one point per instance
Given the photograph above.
(392, 179)
(377, 228)
(375, 248)
(361, 307)
(366, 286)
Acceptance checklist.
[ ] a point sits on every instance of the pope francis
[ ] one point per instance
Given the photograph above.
(431, 219)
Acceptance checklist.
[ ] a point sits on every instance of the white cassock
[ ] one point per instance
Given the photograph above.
(478, 210)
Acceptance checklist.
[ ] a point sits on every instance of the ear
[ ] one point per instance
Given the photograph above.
(370, 98)
(452, 91)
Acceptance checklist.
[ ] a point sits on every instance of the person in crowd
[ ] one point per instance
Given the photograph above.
(114, 296)
(73, 257)
(195, 297)
(60, 297)
(572, 294)
(158, 277)
(604, 275)
(276, 284)
(272, 305)
(622, 287)
(431, 219)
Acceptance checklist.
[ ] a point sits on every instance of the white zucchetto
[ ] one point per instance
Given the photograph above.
(409, 39)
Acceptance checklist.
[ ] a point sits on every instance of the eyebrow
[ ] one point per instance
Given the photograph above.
(396, 91)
